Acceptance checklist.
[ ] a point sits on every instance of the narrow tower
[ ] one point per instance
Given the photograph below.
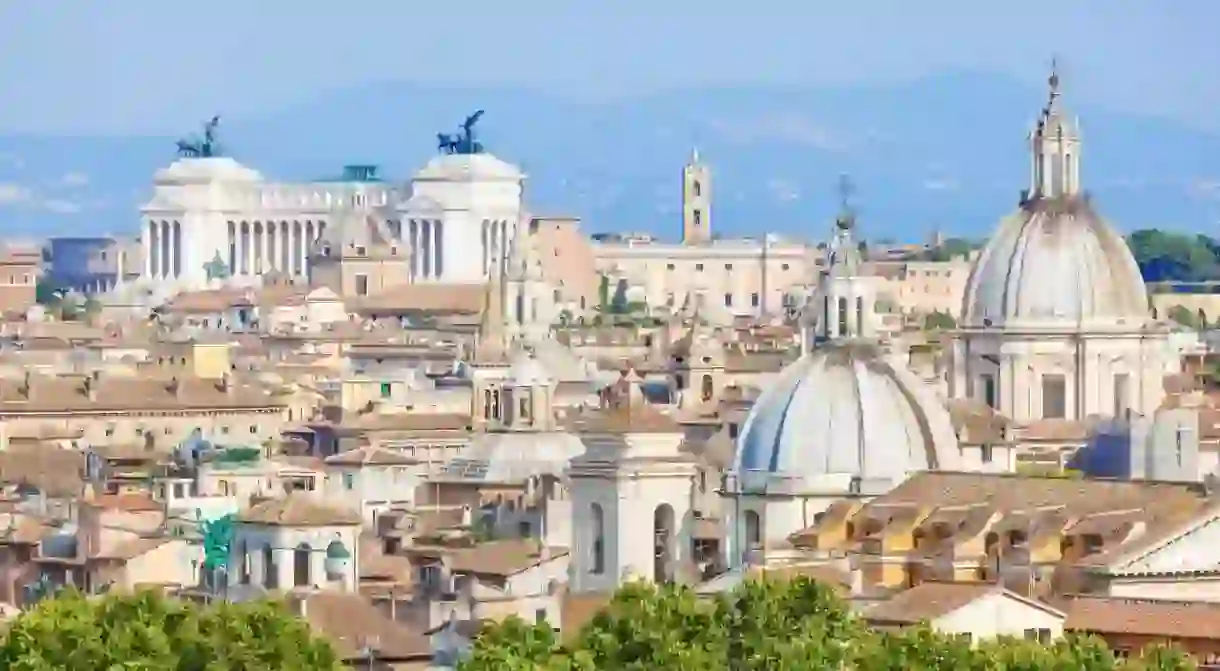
(843, 303)
(696, 201)
(1054, 149)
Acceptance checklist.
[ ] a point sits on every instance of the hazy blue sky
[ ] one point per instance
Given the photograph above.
(152, 65)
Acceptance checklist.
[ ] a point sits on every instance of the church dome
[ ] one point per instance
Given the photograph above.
(845, 411)
(1054, 261)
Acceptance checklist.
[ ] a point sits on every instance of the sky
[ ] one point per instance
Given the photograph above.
(125, 67)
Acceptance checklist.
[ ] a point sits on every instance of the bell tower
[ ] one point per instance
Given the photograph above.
(1055, 149)
(696, 201)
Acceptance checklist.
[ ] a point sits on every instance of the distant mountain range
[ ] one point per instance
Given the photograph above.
(946, 153)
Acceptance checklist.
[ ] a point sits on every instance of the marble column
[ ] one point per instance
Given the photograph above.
(150, 250)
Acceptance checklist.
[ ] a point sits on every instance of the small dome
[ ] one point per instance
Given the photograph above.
(203, 170)
(1054, 261)
(525, 370)
(468, 167)
(845, 410)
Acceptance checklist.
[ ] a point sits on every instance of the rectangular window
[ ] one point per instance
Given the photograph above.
(755, 300)
(697, 216)
(1054, 397)
(387, 389)
(728, 300)
(349, 481)
(986, 454)
(362, 285)
(989, 395)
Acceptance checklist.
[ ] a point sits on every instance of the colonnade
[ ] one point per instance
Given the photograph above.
(163, 249)
(264, 246)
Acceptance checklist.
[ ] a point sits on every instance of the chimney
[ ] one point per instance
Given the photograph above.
(226, 382)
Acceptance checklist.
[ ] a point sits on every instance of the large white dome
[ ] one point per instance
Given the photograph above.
(1055, 263)
(845, 412)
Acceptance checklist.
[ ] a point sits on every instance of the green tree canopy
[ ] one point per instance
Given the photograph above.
(951, 248)
(148, 631)
(793, 625)
(937, 321)
(47, 292)
(1174, 257)
(1184, 316)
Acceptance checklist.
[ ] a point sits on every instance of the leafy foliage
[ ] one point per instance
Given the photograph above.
(951, 248)
(772, 624)
(1175, 257)
(1184, 316)
(937, 320)
(147, 631)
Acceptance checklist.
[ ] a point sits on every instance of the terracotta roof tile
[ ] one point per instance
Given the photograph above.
(929, 601)
(84, 394)
(499, 558)
(351, 621)
(298, 509)
(1167, 619)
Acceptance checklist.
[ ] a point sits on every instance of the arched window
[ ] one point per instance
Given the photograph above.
(753, 530)
(486, 404)
(598, 557)
(663, 542)
(270, 574)
(495, 404)
(826, 315)
(842, 317)
(706, 392)
(300, 566)
(859, 315)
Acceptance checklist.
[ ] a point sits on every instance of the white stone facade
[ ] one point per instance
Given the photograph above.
(204, 209)
(631, 510)
(291, 550)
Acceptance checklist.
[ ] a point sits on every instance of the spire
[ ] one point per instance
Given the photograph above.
(1055, 147)
(842, 306)
(843, 252)
(694, 156)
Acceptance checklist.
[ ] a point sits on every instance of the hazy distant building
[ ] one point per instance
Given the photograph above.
(93, 264)
(745, 276)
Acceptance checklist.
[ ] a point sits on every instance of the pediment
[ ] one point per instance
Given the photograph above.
(1186, 546)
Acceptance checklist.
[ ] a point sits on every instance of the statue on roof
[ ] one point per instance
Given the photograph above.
(206, 146)
(216, 269)
(465, 141)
